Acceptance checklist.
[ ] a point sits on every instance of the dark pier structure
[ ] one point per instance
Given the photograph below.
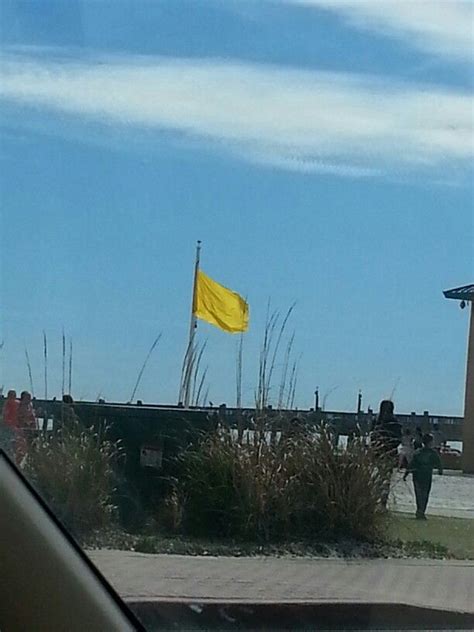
(149, 422)
(151, 435)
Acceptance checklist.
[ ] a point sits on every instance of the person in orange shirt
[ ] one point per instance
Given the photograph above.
(9, 424)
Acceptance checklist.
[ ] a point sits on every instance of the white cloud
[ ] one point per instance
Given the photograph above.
(444, 27)
(301, 120)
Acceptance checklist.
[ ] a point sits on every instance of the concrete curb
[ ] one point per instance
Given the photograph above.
(225, 615)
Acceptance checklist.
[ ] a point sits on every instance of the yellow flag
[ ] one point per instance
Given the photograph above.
(219, 306)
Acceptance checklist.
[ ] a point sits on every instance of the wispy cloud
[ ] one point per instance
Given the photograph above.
(301, 120)
(443, 27)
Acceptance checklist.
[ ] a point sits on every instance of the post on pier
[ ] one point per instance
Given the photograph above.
(465, 295)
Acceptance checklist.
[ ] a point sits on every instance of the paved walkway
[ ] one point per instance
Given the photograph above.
(452, 495)
(430, 583)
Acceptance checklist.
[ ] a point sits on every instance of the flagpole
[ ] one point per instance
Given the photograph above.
(189, 357)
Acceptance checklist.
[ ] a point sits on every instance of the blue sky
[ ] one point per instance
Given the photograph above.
(322, 152)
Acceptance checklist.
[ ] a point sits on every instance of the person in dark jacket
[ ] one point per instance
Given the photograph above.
(422, 465)
(387, 430)
(386, 436)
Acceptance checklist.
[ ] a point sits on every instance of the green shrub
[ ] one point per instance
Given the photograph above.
(73, 471)
(299, 487)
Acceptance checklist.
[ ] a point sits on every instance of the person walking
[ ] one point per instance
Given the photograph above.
(418, 439)
(386, 437)
(438, 438)
(26, 426)
(9, 423)
(406, 451)
(69, 419)
(423, 463)
(387, 430)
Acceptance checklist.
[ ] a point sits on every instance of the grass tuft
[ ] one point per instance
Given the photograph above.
(301, 486)
(73, 471)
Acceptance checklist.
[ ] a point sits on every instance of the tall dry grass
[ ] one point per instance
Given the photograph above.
(301, 486)
(73, 471)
